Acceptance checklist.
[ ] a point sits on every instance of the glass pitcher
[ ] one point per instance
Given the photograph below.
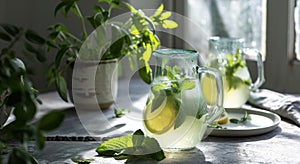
(176, 113)
(228, 55)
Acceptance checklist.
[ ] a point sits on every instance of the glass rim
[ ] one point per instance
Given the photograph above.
(175, 53)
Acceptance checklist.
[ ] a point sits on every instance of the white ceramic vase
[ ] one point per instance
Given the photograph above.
(95, 83)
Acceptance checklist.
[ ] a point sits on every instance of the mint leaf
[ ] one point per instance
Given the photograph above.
(241, 120)
(245, 117)
(232, 64)
(113, 146)
(179, 119)
(138, 138)
(247, 82)
(119, 113)
(234, 120)
(158, 87)
(51, 120)
(215, 125)
(151, 145)
(131, 146)
(188, 84)
(170, 73)
(158, 100)
(82, 161)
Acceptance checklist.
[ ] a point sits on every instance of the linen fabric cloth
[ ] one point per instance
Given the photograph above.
(285, 105)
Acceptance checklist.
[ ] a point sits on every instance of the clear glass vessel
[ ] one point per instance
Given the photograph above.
(176, 113)
(228, 55)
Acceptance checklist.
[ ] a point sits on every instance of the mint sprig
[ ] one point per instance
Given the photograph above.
(241, 120)
(131, 147)
(83, 161)
(172, 92)
(232, 64)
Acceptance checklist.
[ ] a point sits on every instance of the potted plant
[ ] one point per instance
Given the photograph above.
(19, 98)
(134, 38)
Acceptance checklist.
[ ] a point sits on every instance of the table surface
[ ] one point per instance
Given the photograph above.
(74, 138)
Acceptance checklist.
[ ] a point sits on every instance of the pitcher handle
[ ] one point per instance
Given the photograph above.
(260, 76)
(218, 108)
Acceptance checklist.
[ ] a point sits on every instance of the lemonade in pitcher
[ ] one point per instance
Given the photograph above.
(228, 55)
(236, 81)
(176, 116)
(176, 113)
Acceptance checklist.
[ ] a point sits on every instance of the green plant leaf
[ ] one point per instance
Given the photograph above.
(151, 145)
(60, 54)
(39, 54)
(40, 139)
(69, 5)
(234, 120)
(62, 87)
(51, 120)
(188, 84)
(165, 15)
(131, 146)
(30, 109)
(138, 138)
(145, 75)
(113, 146)
(30, 48)
(169, 24)
(59, 7)
(159, 10)
(82, 161)
(20, 156)
(34, 37)
(130, 7)
(147, 53)
(98, 9)
(155, 43)
(5, 37)
(107, 1)
(50, 76)
(117, 45)
(11, 29)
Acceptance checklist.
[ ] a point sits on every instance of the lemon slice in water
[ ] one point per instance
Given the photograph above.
(209, 89)
(161, 119)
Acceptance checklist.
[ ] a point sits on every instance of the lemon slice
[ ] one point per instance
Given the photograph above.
(223, 119)
(161, 119)
(209, 89)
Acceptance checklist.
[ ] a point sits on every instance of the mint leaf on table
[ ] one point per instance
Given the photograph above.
(119, 112)
(82, 161)
(131, 146)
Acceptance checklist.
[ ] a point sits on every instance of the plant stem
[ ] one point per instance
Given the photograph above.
(82, 21)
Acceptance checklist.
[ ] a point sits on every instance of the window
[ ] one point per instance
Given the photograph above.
(229, 18)
(266, 25)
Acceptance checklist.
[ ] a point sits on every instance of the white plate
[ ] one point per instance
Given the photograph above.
(261, 122)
